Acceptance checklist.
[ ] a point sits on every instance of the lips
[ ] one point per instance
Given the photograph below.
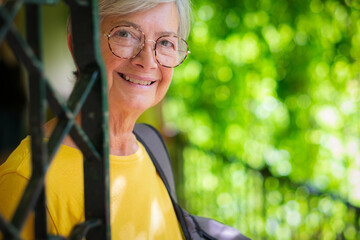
(135, 81)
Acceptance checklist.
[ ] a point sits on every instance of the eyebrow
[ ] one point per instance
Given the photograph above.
(158, 34)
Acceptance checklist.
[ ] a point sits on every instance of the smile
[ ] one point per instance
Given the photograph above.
(135, 81)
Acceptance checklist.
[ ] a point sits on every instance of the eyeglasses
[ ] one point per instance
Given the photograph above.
(127, 42)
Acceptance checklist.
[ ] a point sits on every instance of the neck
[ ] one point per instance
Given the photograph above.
(122, 141)
(121, 138)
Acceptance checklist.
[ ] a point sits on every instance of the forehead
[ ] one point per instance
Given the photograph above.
(162, 18)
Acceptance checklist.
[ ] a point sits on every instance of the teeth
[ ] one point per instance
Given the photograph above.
(137, 81)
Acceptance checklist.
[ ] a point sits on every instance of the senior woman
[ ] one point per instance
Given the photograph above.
(141, 42)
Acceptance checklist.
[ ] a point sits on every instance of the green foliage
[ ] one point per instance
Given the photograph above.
(268, 102)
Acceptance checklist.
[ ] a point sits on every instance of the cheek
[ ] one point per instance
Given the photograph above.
(166, 79)
(110, 61)
(167, 75)
(107, 55)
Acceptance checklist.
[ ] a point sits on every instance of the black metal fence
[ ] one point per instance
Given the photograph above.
(88, 97)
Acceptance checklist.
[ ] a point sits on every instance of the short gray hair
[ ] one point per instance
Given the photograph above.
(124, 7)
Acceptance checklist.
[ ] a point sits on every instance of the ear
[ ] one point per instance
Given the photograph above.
(71, 49)
(70, 44)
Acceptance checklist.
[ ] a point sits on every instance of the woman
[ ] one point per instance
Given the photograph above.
(141, 43)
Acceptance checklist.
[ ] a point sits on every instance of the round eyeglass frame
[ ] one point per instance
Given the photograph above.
(108, 35)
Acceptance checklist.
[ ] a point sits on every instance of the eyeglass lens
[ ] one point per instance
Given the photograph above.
(127, 42)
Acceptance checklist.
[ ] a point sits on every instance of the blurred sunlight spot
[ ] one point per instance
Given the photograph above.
(174, 109)
(314, 136)
(253, 150)
(333, 144)
(264, 109)
(313, 220)
(353, 87)
(233, 49)
(292, 102)
(326, 206)
(281, 116)
(322, 69)
(242, 50)
(352, 148)
(283, 232)
(271, 226)
(205, 12)
(262, 18)
(234, 132)
(274, 198)
(220, 47)
(157, 219)
(354, 177)
(200, 32)
(329, 116)
(249, 47)
(301, 38)
(254, 19)
(350, 232)
(347, 107)
(337, 224)
(250, 20)
(316, 6)
(338, 170)
(271, 156)
(222, 93)
(232, 20)
(331, 33)
(273, 38)
(269, 83)
(283, 168)
(321, 181)
(286, 33)
(304, 101)
(355, 40)
(209, 182)
(341, 71)
(199, 135)
(293, 218)
(224, 74)
(224, 199)
(238, 178)
(270, 103)
(192, 71)
(341, 14)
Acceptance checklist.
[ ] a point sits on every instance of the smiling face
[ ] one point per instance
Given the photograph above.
(139, 83)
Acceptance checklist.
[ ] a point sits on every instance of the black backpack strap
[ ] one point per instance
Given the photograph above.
(194, 227)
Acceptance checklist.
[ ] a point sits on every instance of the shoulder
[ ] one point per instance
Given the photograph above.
(19, 160)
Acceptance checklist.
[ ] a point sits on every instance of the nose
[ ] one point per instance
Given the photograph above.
(146, 57)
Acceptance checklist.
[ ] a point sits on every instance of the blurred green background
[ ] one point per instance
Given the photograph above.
(262, 119)
(265, 114)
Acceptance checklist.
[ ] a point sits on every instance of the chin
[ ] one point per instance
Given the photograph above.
(134, 106)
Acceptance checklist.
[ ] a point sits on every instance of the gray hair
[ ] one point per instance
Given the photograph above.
(124, 7)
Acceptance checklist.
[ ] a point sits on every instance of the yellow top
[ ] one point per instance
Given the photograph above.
(140, 207)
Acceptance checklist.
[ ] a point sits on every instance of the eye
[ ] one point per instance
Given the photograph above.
(122, 34)
(167, 43)
(125, 33)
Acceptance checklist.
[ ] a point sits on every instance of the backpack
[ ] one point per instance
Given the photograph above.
(193, 227)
